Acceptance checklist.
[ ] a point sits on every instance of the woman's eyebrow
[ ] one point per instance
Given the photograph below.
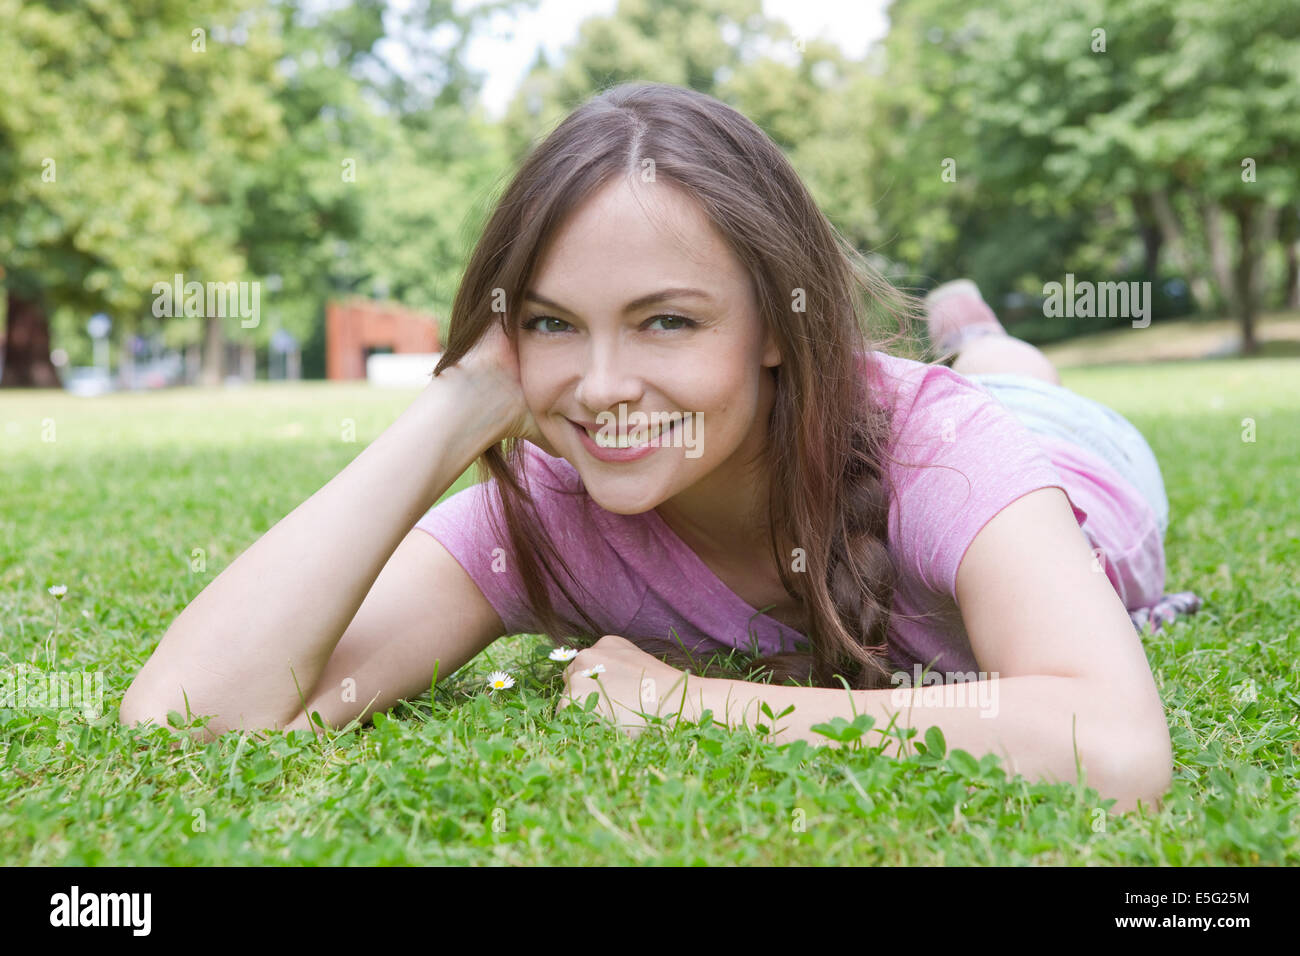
(652, 298)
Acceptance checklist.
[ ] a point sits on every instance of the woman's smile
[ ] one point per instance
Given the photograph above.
(623, 448)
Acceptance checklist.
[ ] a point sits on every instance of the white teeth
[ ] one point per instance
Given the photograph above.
(621, 441)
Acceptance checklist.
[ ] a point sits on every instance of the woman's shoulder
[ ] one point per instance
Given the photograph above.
(918, 394)
(889, 373)
(956, 458)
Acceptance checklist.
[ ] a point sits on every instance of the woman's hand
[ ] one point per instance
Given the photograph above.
(492, 365)
(630, 682)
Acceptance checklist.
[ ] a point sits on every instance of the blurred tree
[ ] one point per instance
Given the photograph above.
(382, 166)
(122, 125)
(946, 189)
(693, 43)
(1149, 110)
(264, 142)
(305, 205)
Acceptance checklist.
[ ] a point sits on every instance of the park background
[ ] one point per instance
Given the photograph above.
(331, 151)
(338, 152)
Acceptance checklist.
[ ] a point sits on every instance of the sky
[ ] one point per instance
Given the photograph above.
(506, 46)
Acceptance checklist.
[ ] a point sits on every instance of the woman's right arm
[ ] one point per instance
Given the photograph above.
(278, 612)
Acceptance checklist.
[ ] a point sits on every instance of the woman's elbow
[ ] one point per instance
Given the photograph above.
(1138, 767)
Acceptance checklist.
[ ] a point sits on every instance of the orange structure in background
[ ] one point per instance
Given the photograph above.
(354, 329)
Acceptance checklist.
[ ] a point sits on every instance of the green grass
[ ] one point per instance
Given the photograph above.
(116, 504)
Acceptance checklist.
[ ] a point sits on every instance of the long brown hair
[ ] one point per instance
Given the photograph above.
(827, 434)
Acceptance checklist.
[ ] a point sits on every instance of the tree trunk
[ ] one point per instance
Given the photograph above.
(1152, 238)
(1175, 241)
(1291, 296)
(1288, 232)
(1244, 278)
(1220, 257)
(1265, 236)
(27, 346)
(214, 352)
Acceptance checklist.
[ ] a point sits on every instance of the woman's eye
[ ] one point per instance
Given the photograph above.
(535, 320)
(685, 322)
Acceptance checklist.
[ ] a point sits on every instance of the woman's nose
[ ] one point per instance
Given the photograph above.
(608, 379)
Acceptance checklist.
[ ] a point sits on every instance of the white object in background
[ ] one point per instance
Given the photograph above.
(99, 326)
(87, 381)
(407, 370)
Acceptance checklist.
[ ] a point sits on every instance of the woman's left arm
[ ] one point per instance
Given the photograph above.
(1062, 670)
(1063, 676)
(1037, 725)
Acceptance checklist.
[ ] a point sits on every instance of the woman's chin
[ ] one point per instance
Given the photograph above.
(624, 501)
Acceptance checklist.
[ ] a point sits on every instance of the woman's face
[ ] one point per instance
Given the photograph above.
(588, 353)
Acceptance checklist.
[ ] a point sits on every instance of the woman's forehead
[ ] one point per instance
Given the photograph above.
(633, 237)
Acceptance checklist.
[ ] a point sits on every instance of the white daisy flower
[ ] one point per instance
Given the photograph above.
(563, 654)
(500, 680)
(59, 590)
(592, 671)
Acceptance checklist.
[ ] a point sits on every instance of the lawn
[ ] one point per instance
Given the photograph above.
(135, 502)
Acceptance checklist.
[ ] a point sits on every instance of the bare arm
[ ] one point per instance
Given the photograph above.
(424, 617)
(278, 612)
(1033, 723)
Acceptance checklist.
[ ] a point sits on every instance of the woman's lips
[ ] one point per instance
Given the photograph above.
(633, 453)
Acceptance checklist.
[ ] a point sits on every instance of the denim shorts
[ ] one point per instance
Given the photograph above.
(1049, 409)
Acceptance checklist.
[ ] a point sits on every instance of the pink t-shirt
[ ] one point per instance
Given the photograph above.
(642, 580)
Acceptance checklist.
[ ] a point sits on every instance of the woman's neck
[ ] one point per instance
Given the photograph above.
(725, 520)
(734, 548)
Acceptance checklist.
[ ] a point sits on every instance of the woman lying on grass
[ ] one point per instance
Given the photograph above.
(704, 451)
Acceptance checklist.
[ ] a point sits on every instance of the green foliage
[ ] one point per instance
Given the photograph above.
(229, 142)
(120, 143)
(364, 198)
(997, 141)
(1064, 127)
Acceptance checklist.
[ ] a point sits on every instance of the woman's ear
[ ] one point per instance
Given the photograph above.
(771, 354)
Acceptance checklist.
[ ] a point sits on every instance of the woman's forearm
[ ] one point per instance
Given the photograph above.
(278, 611)
(1035, 723)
